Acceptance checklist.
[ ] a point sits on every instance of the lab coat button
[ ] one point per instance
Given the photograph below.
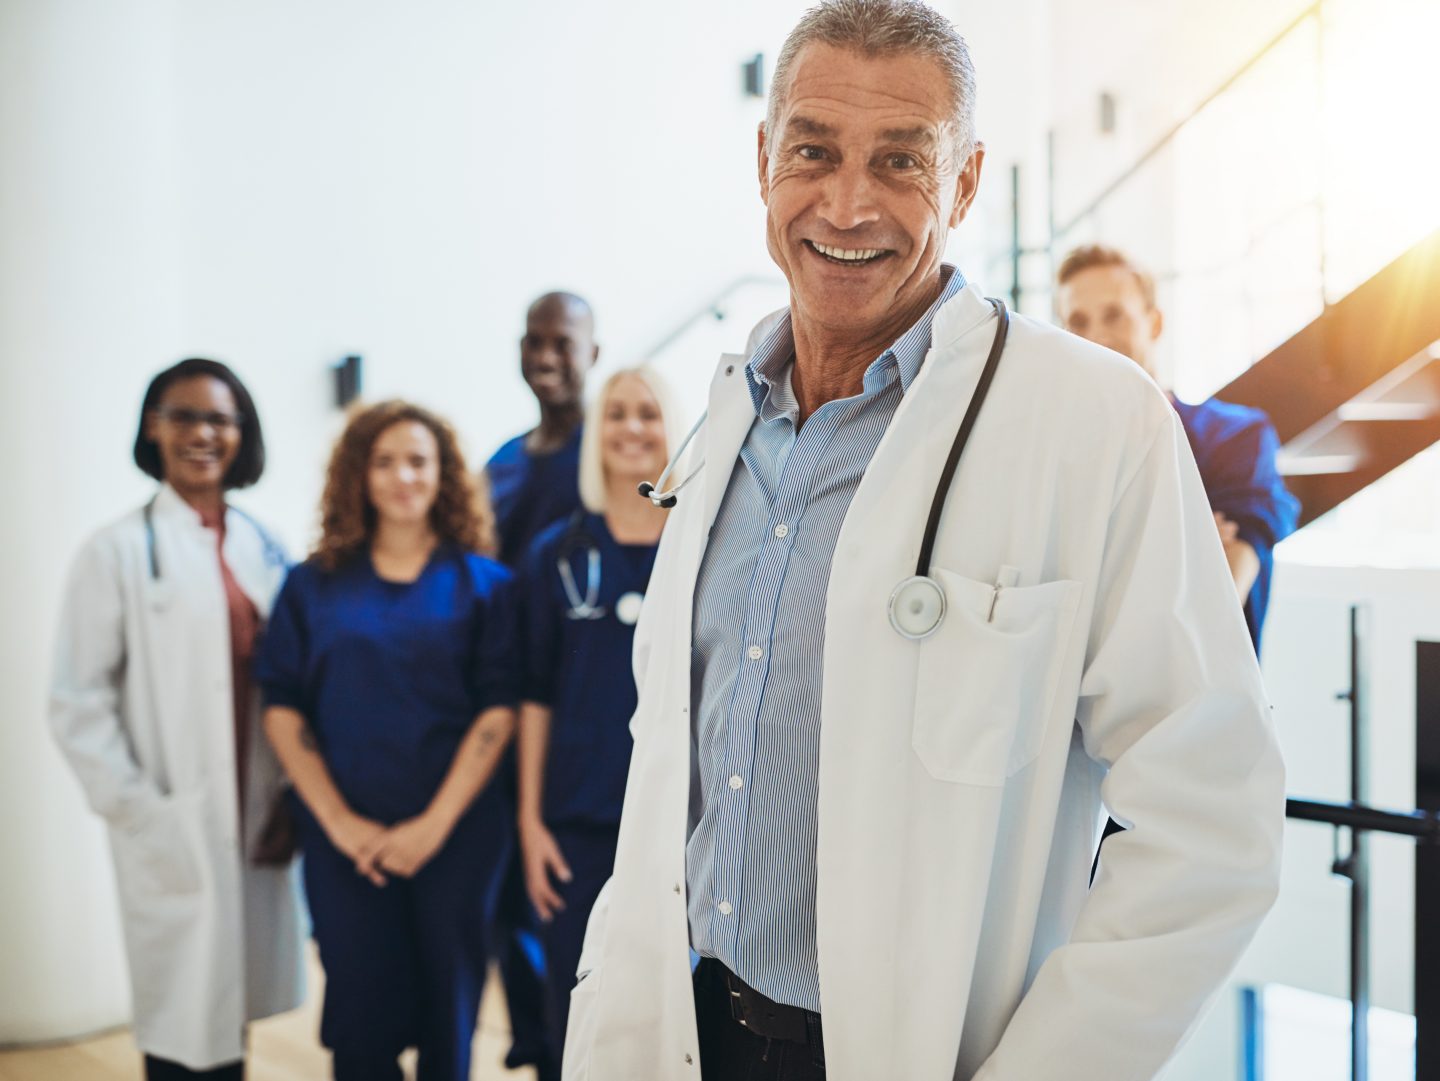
(737, 782)
(688, 1060)
(725, 908)
(755, 653)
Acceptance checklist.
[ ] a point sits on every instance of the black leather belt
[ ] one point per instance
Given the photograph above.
(764, 1016)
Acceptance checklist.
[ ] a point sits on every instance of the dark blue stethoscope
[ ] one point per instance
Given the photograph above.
(627, 607)
(274, 553)
(917, 605)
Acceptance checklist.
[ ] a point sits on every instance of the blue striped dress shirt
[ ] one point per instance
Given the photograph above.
(756, 658)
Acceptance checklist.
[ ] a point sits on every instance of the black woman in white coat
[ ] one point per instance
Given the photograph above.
(151, 704)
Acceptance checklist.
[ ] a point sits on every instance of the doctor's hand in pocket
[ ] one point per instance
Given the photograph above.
(278, 841)
(542, 857)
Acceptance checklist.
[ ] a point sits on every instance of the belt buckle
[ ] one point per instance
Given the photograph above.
(737, 1004)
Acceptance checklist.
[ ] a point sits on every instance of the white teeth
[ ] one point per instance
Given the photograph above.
(852, 255)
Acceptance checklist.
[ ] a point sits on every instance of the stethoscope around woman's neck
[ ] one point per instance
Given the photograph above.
(587, 607)
(917, 605)
(274, 553)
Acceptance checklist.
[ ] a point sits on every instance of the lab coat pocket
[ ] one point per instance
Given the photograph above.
(162, 852)
(986, 679)
(580, 1028)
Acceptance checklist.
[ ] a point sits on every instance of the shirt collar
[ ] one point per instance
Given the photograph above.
(767, 374)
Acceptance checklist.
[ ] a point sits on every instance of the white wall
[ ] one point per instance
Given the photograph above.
(90, 282)
(277, 185)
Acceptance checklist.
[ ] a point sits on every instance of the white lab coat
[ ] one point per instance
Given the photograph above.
(141, 705)
(961, 778)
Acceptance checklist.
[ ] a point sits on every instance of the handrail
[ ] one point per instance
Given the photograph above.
(1311, 10)
(711, 308)
(1422, 825)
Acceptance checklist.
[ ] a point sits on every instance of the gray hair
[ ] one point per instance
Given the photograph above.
(883, 28)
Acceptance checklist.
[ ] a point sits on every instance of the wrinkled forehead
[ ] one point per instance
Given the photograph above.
(838, 92)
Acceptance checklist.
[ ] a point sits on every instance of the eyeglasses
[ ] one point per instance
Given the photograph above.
(193, 418)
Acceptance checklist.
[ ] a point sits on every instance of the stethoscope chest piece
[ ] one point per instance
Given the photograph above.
(917, 607)
(627, 608)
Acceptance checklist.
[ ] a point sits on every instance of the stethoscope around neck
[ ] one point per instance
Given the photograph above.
(274, 554)
(917, 605)
(585, 607)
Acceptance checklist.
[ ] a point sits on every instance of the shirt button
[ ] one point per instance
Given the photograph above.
(737, 782)
(755, 653)
(782, 529)
(725, 908)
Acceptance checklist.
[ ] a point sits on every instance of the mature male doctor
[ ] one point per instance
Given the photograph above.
(872, 820)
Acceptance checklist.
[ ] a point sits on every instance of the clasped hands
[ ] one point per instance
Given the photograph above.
(379, 851)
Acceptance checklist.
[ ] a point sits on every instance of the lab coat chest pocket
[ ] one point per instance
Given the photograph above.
(986, 679)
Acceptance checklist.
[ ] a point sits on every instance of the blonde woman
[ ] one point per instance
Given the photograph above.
(583, 585)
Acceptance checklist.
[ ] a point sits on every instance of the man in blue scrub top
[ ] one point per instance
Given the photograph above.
(1105, 297)
(534, 480)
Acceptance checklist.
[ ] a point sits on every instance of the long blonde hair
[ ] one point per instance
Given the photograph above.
(592, 465)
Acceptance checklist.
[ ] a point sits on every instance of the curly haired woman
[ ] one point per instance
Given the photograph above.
(388, 673)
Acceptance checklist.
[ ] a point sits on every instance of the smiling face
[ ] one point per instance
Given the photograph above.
(196, 428)
(861, 187)
(1106, 305)
(632, 432)
(557, 350)
(403, 477)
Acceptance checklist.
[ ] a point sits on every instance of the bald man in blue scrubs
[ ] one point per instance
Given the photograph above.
(534, 481)
(1108, 299)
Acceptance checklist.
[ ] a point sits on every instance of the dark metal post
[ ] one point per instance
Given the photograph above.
(1427, 864)
(1359, 853)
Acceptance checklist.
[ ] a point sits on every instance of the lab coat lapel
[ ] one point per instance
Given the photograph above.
(731, 415)
(881, 537)
(245, 555)
(920, 435)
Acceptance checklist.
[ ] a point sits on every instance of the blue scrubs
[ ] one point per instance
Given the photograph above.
(1235, 447)
(390, 677)
(581, 669)
(529, 491)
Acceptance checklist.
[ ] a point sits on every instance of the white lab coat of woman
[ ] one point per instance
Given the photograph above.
(141, 706)
(961, 777)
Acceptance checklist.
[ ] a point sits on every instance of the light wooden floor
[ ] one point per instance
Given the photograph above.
(284, 1048)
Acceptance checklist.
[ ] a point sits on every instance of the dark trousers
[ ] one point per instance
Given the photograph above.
(730, 1052)
(162, 1069)
(590, 853)
(405, 963)
(515, 938)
